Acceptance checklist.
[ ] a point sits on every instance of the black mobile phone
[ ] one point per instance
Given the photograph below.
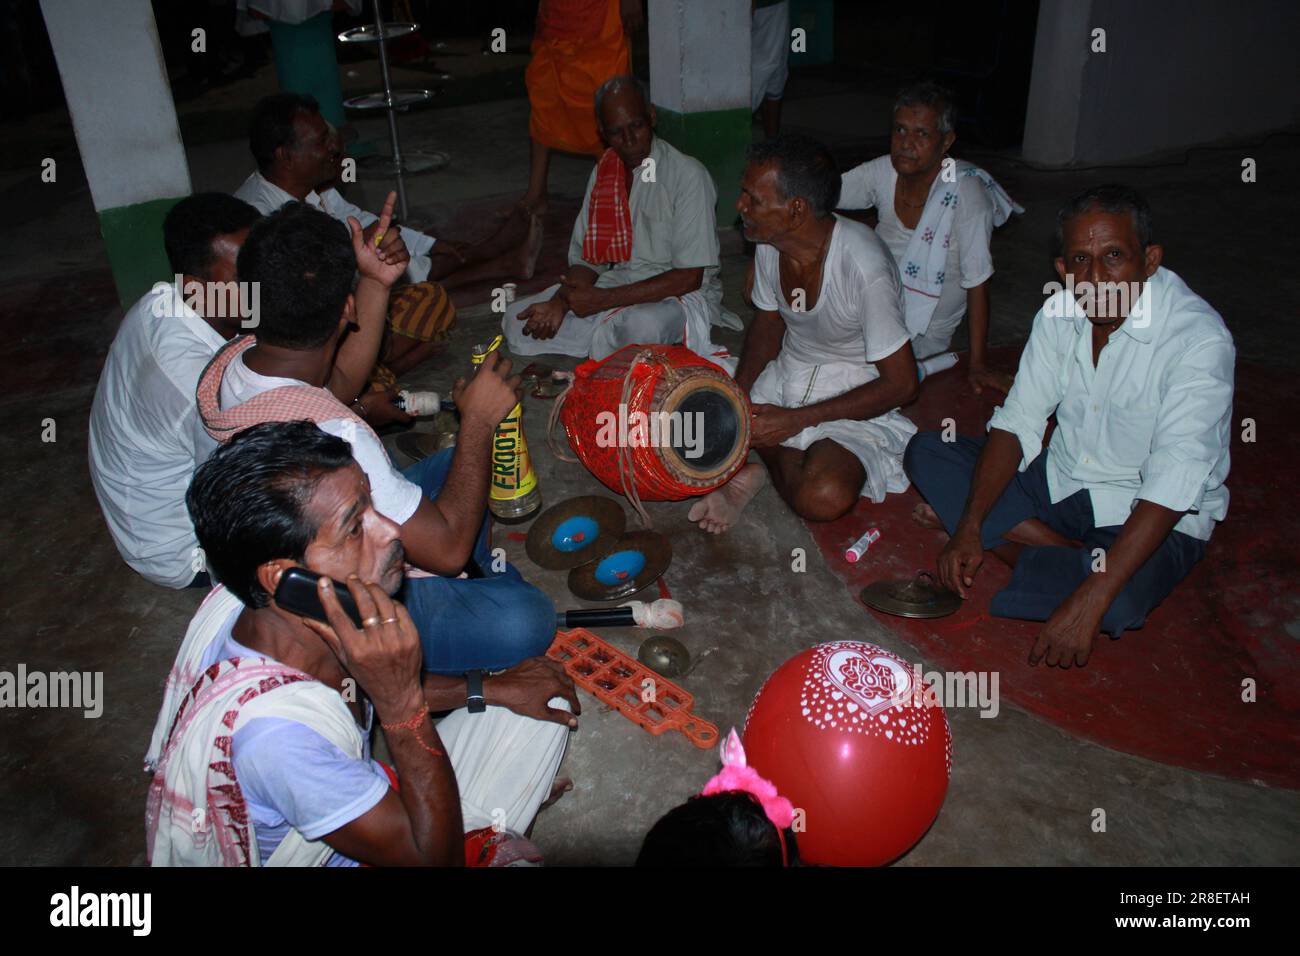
(297, 593)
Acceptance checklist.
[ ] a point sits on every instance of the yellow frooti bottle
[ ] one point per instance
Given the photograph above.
(514, 495)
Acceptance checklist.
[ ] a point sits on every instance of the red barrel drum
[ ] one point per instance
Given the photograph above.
(677, 423)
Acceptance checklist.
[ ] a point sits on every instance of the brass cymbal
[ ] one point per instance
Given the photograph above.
(575, 532)
(419, 445)
(664, 655)
(919, 597)
(637, 560)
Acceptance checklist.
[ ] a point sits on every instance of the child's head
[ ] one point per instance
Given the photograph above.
(738, 819)
(724, 829)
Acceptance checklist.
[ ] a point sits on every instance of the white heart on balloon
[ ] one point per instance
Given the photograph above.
(876, 683)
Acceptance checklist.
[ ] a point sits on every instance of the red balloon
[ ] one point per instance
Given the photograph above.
(849, 733)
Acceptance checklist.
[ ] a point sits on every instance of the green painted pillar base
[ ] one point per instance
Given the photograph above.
(133, 239)
(718, 139)
(305, 62)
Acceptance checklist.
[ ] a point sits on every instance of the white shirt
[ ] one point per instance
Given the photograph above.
(858, 316)
(266, 197)
(393, 495)
(144, 434)
(873, 184)
(673, 225)
(1151, 421)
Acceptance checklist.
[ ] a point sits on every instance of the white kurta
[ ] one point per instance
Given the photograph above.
(969, 260)
(673, 227)
(857, 320)
(145, 435)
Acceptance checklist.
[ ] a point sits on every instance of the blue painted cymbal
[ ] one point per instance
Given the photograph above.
(575, 532)
(637, 560)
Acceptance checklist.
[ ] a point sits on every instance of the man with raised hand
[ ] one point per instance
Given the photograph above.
(472, 609)
(299, 158)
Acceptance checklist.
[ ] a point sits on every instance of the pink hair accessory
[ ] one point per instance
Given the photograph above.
(738, 775)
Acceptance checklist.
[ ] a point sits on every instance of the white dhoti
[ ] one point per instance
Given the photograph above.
(681, 319)
(504, 763)
(769, 53)
(878, 443)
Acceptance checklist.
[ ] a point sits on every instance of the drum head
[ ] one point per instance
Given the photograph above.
(637, 560)
(709, 421)
(575, 532)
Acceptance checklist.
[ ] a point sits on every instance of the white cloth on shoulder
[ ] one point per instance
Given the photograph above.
(195, 815)
(922, 268)
(504, 763)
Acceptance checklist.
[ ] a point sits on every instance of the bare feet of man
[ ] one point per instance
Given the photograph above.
(927, 517)
(718, 510)
(559, 788)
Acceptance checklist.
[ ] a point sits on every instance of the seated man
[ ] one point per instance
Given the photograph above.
(144, 425)
(304, 265)
(826, 360)
(269, 761)
(934, 228)
(1102, 525)
(643, 258)
(299, 157)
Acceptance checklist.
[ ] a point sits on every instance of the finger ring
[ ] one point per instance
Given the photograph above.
(372, 620)
(390, 620)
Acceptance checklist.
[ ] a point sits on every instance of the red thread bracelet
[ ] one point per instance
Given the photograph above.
(412, 724)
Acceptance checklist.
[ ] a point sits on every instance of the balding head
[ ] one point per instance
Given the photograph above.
(626, 118)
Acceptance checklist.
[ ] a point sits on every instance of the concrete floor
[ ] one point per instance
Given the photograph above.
(1022, 792)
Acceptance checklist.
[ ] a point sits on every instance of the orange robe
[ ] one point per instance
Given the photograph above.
(578, 45)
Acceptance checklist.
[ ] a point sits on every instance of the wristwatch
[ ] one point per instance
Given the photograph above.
(475, 701)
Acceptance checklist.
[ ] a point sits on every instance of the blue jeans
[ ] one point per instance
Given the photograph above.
(1044, 576)
(489, 622)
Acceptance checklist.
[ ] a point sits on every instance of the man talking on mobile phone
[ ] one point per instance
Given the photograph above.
(261, 752)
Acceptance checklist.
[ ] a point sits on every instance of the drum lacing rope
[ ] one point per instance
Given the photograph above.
(626, 461)
(556, 450)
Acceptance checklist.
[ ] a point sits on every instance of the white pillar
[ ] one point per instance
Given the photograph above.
(699, 82)
(1061, 53)
(115, 84)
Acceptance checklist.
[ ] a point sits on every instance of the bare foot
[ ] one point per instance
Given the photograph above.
(559, 788)
(718, 510)
(927, 517)
(530, 249)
